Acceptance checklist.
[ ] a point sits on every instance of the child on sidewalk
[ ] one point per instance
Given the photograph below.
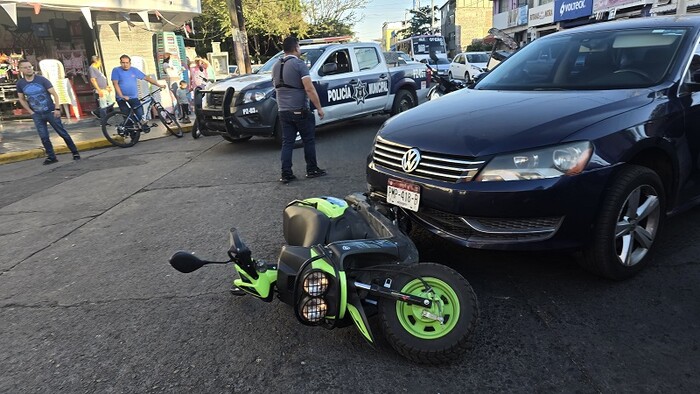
(183, 101)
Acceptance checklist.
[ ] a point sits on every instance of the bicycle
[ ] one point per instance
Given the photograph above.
(122, 129)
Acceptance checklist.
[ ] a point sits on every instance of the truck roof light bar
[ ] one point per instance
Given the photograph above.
(325, 40)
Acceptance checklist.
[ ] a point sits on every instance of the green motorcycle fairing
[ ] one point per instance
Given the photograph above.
(329, 206)
(327, 267)
(260, 287)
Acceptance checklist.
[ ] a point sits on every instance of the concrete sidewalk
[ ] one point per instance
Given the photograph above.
(19, 140)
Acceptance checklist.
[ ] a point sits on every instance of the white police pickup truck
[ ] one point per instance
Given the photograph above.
(352, 80)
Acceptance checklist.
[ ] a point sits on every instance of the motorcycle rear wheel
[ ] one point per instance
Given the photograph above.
(421, 338)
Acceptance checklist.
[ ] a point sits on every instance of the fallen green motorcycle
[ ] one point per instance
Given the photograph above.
(346, 263)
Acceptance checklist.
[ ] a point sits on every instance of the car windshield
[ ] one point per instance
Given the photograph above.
(478, 57)
(309, 56)
(599, 60)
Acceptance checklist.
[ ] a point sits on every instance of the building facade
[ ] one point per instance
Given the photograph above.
(390, 31)
(463, 21)
(71, 31)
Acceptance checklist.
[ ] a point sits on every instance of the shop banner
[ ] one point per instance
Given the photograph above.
(604, 5)
(518, 16)
(87, 15)
(572, 9)
(541, 15)
(11, 10)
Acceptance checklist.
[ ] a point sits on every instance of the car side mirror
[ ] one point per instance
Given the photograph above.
(329, 68)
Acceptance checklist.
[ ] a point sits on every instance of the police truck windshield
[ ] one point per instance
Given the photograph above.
(309, 56)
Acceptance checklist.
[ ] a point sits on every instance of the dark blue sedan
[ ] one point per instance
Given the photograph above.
(584, 139)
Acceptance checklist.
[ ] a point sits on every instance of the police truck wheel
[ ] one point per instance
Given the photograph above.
(403, 101)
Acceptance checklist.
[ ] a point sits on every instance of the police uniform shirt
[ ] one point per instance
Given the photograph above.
(294, 97)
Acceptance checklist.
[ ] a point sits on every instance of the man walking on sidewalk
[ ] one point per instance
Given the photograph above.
(99, 82)
(35, 93)
(125, 80)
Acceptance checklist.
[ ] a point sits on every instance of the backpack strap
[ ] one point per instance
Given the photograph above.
(281, 83)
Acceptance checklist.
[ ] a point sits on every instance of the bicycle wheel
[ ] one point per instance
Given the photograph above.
(170, 122)
(119, 130)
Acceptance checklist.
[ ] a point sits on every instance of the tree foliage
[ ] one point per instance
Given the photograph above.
(420, 22)
(479, 46)
(267, 22)
(329, 18)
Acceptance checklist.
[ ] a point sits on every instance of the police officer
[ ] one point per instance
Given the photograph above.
(294, 90)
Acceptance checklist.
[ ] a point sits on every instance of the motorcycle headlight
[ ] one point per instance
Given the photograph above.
(549, 162)
(316, 283)
(256, 95)
(314, 309)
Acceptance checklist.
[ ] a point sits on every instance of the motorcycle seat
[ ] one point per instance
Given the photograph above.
(305, 226)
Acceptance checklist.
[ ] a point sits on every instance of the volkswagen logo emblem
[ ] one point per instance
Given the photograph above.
(410, 160)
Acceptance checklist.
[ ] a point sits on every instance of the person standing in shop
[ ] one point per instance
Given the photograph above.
(35, 95)
(104, 92)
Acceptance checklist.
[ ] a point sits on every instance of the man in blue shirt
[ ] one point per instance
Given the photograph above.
(125, 79)
(35, 93)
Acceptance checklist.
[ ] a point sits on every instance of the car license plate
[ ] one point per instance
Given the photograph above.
(403, 194)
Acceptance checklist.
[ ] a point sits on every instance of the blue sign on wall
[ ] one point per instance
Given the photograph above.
(572, 9)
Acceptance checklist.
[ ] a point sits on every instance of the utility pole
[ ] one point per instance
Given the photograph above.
(432, 16)
(681, 7)
(239, 36)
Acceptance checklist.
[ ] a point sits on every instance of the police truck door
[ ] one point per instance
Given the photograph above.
(335, 86)
(372, 86)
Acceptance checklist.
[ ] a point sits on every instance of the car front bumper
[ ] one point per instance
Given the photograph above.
(550, 214)
(225, 117)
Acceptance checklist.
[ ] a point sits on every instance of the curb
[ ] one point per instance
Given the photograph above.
(95, 143)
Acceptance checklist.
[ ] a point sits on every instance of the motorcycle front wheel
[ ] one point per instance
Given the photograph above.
(435, 335)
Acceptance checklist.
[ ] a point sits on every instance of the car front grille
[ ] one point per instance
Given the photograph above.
(215, 99)
(437, 166)
(490, 230)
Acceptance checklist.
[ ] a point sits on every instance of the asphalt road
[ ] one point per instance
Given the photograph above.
(88, 302)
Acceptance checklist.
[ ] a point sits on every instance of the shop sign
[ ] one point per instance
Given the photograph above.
(541, 15)
(572, 9)
(500, 20)
(604, 5)
(518, 16)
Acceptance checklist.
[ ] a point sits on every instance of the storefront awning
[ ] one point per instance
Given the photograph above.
(170, 20)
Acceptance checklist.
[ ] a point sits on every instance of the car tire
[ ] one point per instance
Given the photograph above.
(630, 218)
(449, 75)
(466, 76)
(403, 101)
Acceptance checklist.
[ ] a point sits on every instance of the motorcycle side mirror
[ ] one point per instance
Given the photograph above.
(186, 262)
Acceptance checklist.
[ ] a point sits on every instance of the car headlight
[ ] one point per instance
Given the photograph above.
(544, 163)
(253, 96)
(316, 283)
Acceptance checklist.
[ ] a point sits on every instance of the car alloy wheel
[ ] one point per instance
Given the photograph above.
(637, 226)
(629, 220)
